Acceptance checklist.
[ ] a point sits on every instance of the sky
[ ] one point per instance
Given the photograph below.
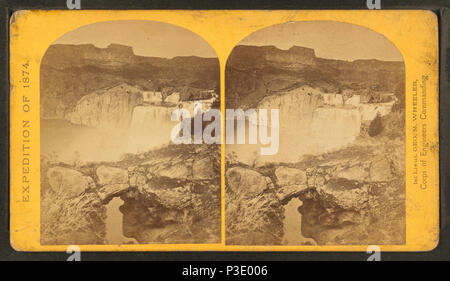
(331, 40)
(148, 38)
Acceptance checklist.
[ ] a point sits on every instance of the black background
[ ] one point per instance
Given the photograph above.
(441, 252)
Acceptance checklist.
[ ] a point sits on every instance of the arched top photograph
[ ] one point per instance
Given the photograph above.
(108, 92)
(336, 96)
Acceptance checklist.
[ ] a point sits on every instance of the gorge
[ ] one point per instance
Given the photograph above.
(329, 184)
(334, 181)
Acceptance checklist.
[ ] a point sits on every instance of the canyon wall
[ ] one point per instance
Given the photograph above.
(255, 72)
(107, 109)
(351, 185)
(70, 72)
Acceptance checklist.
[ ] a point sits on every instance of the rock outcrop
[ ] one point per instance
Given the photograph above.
(107, 109)
(203, 169)
(270, 54)
(111, 175)
(346, 200)
(380, 169)
(172, 204)
(370, 110)
(291, 182)
(109, 191)
(290, 176)
(62, 56)
(171, 195)
(70, 72)
(255, 72)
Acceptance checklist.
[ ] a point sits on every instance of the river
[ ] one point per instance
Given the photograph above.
(293, 225)
(114, 222)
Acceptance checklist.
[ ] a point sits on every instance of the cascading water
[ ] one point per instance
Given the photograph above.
(150, 128)
(306, 126)
(333, 128)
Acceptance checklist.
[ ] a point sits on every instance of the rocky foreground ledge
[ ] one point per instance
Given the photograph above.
(355, 196)
(170, 196)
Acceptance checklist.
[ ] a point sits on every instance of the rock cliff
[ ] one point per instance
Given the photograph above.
(107, 109)
(69, 72)
(267, 55)
(255, 72)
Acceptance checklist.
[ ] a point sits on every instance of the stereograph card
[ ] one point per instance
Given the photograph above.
(224, 130)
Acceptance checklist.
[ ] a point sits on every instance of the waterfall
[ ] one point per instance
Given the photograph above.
(321, 130)
(150, 128)
(105, 127)
(333, 128)
(307, 126)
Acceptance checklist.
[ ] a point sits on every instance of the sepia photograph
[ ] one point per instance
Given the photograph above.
(329, 99)
(110, 173)
(219, 141)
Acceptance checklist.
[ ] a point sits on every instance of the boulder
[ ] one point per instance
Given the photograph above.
(111, 175)
(245, 182)
(109, 191)
(290, 176)
(173, 171)
(356, 173)
(346, 195)
(178, 197)
(68, 181)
